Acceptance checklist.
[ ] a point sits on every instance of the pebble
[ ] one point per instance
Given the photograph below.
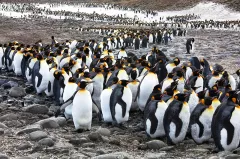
(9, 117)
(46, 142)
(224, 153)
(24, 157)
(2, 156)
(1, 131)
(17, 92)
(232, 156)
(60, 120)
(37, 135)
(155, 144)
(3, 126)
(116, 155)
(198, 150)
(24, 146)
(78, 141)
(89, 145)
(94, 136)
(48, 123)
(154, 155)
(104, 132)
(168, 148)
(36, 109)
(115, 141)
(29, 129)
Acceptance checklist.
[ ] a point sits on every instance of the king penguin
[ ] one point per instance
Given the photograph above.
(82, 108)
(153, 116)
(120, 102)
(226, 124)
(200, 121)
(176, 119)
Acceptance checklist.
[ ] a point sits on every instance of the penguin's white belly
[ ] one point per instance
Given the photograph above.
(232, 82)
(134, 89)
(105, 105)
(122, 75)
(75, 67)
(160, 132)
(188, 73)
(199, 83)
(82, 110)
(235, 121)
(69, 90)
(31, 64)
(206, 120)
(184, 115)
(146, 87)
(51, 80)
(170, 67)
(44, 71)
(212, 81)
(166, 83)
(193, 101)
(215, 103)
(180, 86)
(63, 62)
(98, 88)
(127, 98)
(1, 56)
(17, 64)
(68, 111)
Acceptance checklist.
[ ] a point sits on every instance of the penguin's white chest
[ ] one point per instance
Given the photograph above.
(105, 104)
(127, 98)
(82, 110)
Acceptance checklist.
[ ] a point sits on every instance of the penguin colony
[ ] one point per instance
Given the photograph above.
(177, 99)
(190, 21)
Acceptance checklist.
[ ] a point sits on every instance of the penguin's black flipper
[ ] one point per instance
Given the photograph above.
(178, 122)
(138, 91)
(201, 128)
(153, 118)
(230, 130)
(49, 86)
(116, 97)
(39, 79)
(68, 102)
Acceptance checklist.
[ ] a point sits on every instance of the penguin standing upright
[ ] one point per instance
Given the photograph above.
(189, 45)
(133, 85)
(176, 119)
(40, 74)
(226, 124)
(105, 105)
(70, 88)
(200, 121)
(82, 108)
(2, 50)
(146, 86)
(170, 66)
(153, 116)
(49, 90)
(120, 102)
(17, 62)
(30, 64)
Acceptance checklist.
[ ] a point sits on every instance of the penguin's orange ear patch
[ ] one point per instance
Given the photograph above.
(227, 94)
(153, 98)
(159, 89)
(234, 100)
(176, 97)
(56, 72)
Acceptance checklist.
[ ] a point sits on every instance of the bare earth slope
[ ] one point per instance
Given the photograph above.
(147, 4)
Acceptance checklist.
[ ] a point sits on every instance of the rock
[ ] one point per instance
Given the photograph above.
(94, 136)
(168, 148)
(3, 126)
(154, 155)
(232, 156)
(1, 131)
(135, 142)
(155, 144)
(224, 153)
(89, 145)
(78, 141)
(24, 157)
(36, 109)
(115, 141)
(198, 150)
(190, 141)
(2, 156)
(17, 92)
(46, 142)
(237, 151)
(37, 135)
(78, 156)
(48, 123)
(105, 139)
(60, 120)
(24, 146)
(10, 84)
(30, 129)
(116, 155)
(214, 157)
(9, 117)
(104, 132)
